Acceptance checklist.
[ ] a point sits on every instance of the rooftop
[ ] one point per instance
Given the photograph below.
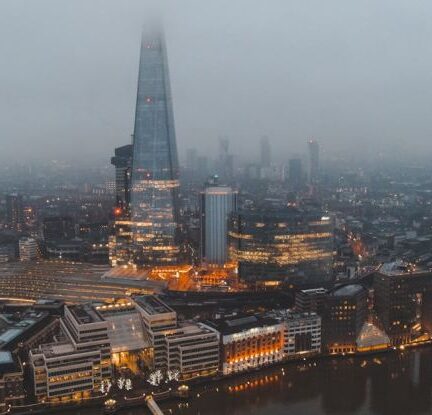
(85, 314)
(347, 290)
(152, 305)
(241, 323)
(400, 267)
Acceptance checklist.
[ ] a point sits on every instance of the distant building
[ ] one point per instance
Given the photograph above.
(314, 166)
(295, 173)
(265, 152)
(122, 161)
(28, 249)
(249, 342)
(282, 244)
(345, 313)
(15, 212)
(216, 204)
(58, 228)
(12, 390)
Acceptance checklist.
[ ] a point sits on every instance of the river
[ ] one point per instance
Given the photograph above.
(398, 383)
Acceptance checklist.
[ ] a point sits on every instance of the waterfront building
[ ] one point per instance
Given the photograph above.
(311, 300)
(28, 249)
(249, 342)
(314, 167)
(130, 343)
(282, 244)
(75, 366)
(302, 333)
(157, 318)
(155, 181)
(345, 313)
(216, 204)
(15, 212)
(193, 350)
(398, 293)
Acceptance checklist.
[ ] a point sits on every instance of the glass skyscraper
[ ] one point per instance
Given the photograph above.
(155, 183)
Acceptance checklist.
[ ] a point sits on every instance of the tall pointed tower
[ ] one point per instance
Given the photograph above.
(155, 183)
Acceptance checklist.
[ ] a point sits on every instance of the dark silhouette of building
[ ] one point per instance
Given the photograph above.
(313, 161)
(58, 228)
(122, 161)
(265, 152)
(295, 173)
(15, 212)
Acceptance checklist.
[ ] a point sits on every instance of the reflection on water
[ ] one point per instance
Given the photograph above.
(396, 384)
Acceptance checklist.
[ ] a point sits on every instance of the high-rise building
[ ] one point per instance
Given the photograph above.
(265, 152)
(28, 249)
(120, 243)
(216, 204)
(155, 178)
(295, 173)
(122, 161)
(226, 160)
(15, 212)
(313, 161)
(273, 244)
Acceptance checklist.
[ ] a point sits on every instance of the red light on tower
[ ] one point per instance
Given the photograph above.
(117, 211)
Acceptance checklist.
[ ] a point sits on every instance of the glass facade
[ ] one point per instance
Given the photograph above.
(154, 199)
(282, 245)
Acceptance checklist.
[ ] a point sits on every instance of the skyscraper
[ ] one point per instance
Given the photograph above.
(265, 152)
(122, 161)
(295, 173)
(313, 161)
(155, 182)
(15, 212)
(216, 204)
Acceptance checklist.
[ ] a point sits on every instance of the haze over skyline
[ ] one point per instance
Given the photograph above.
(355, 76)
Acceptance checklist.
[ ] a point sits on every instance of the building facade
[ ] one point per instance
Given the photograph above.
(155, 179)
(216, 204)
(287, 245)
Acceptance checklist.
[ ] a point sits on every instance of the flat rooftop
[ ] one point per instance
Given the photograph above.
(401, 268)
(152, 305)
(85, 314)
(13, 326)
(241, 323)
(347, 290)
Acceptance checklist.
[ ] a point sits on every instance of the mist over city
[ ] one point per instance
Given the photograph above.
(355, 76)
(215, 207)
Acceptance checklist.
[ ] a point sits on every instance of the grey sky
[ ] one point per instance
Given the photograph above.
(352, 74)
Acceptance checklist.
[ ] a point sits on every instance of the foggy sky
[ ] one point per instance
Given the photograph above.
(355, 75)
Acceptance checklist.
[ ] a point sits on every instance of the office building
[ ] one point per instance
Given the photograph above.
(28, 249)
(193, 350)
(216, 204)
(345, 313)
(122, 161)
(155, 181)
(295, 173)
(398, 291)
(314, 166)
(15, 212)
(12, 390)
(312, 300)
(302, 333)
(282, 244)
(249, 342)
(73, 367)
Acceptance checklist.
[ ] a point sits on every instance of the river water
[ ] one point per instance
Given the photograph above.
(398, 383)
